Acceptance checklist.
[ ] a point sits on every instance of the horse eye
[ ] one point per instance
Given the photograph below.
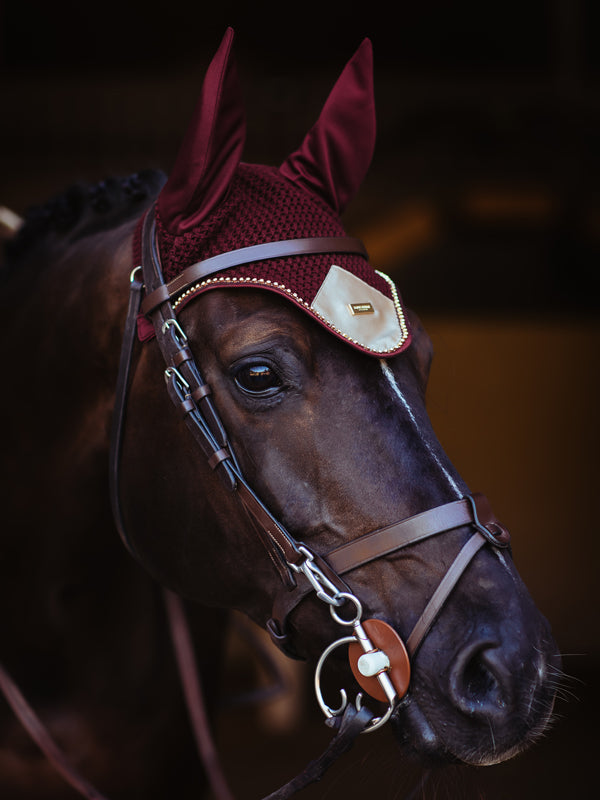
(258, 379)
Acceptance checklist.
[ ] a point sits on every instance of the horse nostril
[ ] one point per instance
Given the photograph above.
(479, 683)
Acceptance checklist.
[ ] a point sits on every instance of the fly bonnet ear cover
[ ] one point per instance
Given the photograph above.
(213, 203)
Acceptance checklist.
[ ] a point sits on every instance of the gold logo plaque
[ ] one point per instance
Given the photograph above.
(361, 308)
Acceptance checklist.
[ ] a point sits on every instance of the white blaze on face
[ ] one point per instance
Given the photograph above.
(389, 375)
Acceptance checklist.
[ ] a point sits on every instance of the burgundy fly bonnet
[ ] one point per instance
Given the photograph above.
(213, 203)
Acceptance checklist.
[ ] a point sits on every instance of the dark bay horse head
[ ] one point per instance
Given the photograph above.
(321, 390)
(317, 373)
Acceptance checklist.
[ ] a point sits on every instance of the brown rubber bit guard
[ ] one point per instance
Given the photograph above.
(385, 638)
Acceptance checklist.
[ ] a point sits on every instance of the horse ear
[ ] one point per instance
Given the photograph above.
(211, 149)
(336, 153)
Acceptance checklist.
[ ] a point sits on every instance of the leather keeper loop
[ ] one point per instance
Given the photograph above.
(216, 458)
(187, 406)
(201, 391)
(154, 299)
(185, 354)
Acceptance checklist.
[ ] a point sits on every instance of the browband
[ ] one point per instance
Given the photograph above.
(247, 255)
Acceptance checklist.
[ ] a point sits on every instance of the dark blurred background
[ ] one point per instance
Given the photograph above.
(483, 202)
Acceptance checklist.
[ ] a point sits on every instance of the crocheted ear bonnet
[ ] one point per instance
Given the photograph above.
(213, 203)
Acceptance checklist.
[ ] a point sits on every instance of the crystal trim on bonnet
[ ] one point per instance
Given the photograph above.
(188, 294)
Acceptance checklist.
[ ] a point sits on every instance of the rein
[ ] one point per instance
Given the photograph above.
(379, 659)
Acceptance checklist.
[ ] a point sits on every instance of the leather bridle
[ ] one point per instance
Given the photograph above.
(192, 398)
(322, 573)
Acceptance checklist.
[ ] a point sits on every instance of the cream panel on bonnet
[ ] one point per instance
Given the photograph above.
(358, 311)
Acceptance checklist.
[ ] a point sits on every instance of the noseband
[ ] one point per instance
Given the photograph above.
(322, 573)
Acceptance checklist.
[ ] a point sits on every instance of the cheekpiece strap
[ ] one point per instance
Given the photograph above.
(190, 394)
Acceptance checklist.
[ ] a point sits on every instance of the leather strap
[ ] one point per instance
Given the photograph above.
(351, 723)
(373, 545)
(189, 675)
(186, 389)
(40, 735)
(408, 531)
(277, 534)
(471, 510)
(247, 255)
(122, 387)
(448, 582)
(188, 392)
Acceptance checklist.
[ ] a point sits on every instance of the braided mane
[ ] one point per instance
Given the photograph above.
(84, 209)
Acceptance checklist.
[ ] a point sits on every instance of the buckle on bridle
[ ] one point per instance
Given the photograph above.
(325, 589)
(492, 530)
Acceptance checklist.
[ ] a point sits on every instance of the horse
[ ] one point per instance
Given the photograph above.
(208, 368)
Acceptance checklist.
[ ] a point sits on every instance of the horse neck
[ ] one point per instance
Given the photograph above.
(63, 310)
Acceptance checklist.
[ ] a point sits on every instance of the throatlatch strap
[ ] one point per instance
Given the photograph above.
(118, 418)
